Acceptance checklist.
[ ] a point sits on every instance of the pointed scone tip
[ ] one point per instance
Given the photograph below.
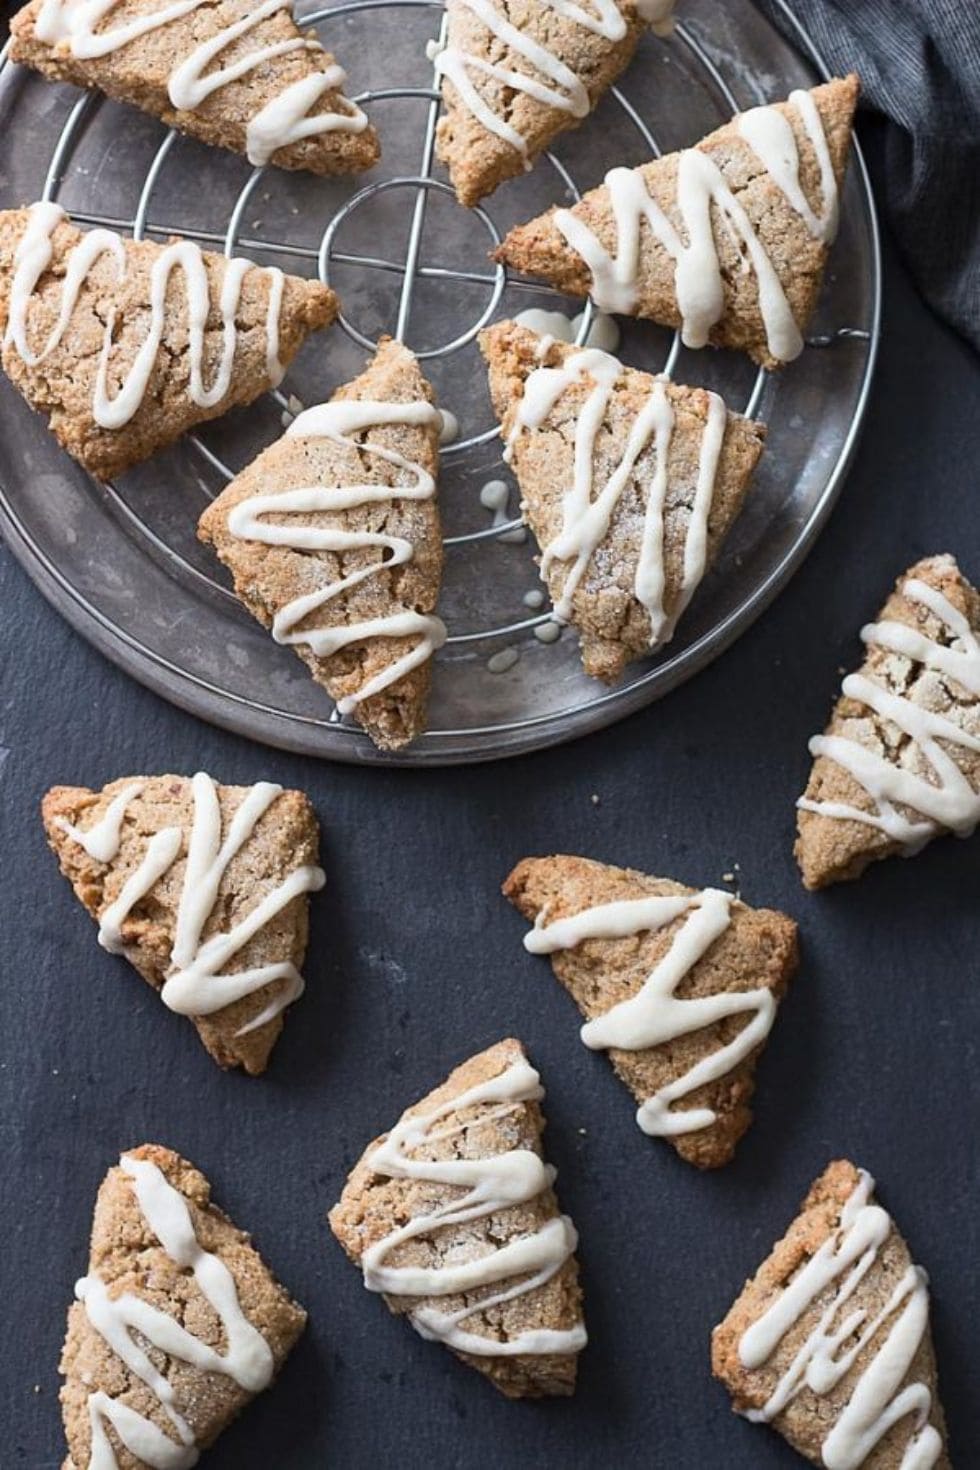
(899, 763)
(667, 470)
(680, 986)
(176, 1326)
(830, 1341)
(774, 175)
(204, 889)
(333, 539)
(497, 1284)
(255, 84)
(513, 81)
(99, 335)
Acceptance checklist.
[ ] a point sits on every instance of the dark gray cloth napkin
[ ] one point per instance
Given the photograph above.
(919, 63)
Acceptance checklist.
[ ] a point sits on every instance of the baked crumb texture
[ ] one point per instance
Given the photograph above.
(62, 383)
(834, 1327)
(141, 72)
(371, 584)
(239, 911)
(795, 242)
(892, 774)
(676, 499)
(482, 1126)
(492, 128)
(146, 1291)
(683, 1012)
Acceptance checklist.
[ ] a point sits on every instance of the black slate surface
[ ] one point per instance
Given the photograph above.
(416, 962)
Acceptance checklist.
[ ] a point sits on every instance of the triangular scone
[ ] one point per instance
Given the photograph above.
(830, 1341)
(680, 986)
(899, 762)
(667, 469)
(332, 536)
(727, 240)
(452, 1216)
(177, 1325)
(126, 344)
(240, 76)
(204, 889)
(516, 73)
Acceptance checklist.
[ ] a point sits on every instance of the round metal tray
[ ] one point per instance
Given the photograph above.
(121, 561)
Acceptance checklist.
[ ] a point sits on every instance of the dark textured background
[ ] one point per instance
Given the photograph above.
(416, 962)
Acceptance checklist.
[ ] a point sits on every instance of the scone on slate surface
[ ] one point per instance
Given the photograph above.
(727, 240)
(830, 1341)
(667, 470)
(118, 376)
(332, 536)
(899, 762)
(238, 75)
(515, 74)
(204, 889)
(176, 1326)
(680, 986)
(452, 1216)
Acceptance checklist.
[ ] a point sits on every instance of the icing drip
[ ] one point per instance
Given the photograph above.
(656, 1014)
(910, 808)
(878, 1401)
(587, 517)
(701, 188)
(484, 1187)
(34, 255)
(250, 521)
(123, 1321)
(285, 119)
(101, 842)
(196, 985)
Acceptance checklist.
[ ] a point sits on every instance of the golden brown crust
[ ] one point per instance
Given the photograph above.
(759, 949)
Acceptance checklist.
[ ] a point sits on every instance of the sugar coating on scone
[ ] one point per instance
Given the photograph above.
(899, 763)
(453, 1218)
(333, 538)
(680, 986)
(126, 344)
(517, 73)
(726, 241)
(629, 482)
(176, 1325)
(830, 1342)
(237, 75)
(203, 888)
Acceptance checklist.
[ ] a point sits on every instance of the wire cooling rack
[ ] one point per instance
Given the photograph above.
(121, 560)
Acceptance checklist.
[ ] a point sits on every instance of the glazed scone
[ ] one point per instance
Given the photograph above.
(667, 470)
(177, 1325)
(126, 344)
(332, 536)
(239, 74)
(899, 762)
(452, 1216)
(727, 240)
(680, 987)
(204, 889)
(515, 74)
(830, 1341)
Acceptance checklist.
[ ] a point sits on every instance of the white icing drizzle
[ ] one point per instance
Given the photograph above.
(251, 520)
(494, 496)
(701, 186)
(587, 516)
(101, 841)
(910, 808)
(557, 326)
(33, 257)
(656, 1014)
(658, 15)
(75, 26)
(126, 1319)
(487, 1185)
(878, 1400)
(196, 985)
